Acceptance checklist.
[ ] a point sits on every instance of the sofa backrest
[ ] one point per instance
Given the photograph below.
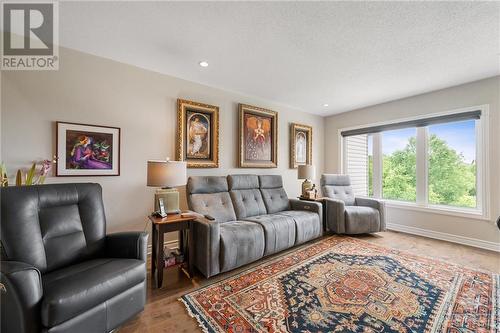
(273, 193)
(338, 187)
(210, 195)
(246, 196)
(52, 226)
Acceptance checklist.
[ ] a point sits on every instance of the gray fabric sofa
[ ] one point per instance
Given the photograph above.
(253, 218)
(347, 214)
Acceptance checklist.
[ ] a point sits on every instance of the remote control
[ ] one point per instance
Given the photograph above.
(209, 217)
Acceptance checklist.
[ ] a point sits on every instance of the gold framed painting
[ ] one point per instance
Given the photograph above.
(197, 134)
(300, 145)
(258, 137)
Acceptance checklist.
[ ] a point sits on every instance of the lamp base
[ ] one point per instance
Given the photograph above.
(306, 186)
(170, 198)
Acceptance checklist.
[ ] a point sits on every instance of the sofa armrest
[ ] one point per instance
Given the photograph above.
(335, 215)
(376, 204)
(131, 245)
(206, 236)
(312, 206)
(20, 294)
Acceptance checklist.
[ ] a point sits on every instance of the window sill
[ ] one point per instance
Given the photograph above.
(443, 210)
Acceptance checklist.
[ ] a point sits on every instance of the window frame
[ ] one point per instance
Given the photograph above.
(481, 212)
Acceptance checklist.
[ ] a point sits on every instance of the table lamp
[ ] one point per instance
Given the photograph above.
(306, 172)
(166, 175)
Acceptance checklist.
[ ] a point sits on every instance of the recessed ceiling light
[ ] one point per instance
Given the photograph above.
(325, 105)
(203, 64)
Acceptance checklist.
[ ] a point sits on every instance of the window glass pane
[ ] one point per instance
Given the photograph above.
(370, 165)
(357, 163)
(399, 172)
(452, 164)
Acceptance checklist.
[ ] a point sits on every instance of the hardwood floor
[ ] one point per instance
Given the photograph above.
(163, 313)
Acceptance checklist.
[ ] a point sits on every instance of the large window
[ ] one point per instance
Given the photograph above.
(399, 164)
(428, 162)
(452, 164)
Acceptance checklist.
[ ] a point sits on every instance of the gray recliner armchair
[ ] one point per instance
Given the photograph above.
(347, 214)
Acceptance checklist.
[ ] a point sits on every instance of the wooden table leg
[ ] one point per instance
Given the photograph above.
(160, 262)
(153, 250)
(190, 249)
(181, 241)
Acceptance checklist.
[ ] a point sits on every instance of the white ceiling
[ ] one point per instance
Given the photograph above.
(301, 54)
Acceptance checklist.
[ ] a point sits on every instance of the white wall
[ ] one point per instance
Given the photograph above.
(93, 90)
(472, 94)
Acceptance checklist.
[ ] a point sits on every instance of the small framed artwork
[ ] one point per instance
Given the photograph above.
(197, 134)
(87, 150)
(300, 145)
(258, 136)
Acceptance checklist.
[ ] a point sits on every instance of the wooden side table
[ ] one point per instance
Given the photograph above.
(159, 226)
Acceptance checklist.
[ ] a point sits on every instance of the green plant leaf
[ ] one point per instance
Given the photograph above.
(19, 178)
(31, 175)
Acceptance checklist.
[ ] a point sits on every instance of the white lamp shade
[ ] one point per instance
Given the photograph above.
(167, 173)
(306, 172)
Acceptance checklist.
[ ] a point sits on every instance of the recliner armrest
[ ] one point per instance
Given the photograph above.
(206, 236)
(312, 206)
(21, 293)
(335, 215)
(376, 204)
(130, 245)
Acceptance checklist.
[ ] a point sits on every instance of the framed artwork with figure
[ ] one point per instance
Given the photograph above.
(258, 136)
(87, 150)
(300, 145)
(197, 134)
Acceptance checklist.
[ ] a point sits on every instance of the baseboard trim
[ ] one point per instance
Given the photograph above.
(173, 244)
(474, 242)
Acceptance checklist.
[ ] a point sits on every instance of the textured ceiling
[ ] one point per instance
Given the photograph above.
(301, 54)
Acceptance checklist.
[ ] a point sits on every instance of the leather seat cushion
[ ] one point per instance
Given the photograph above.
(77, 288)
(308, 225)
(360, 220)
(279, 231)
(241, 242)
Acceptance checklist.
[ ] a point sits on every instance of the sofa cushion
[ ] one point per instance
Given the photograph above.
(207, 184)
(247, 203)
(275, 199)
(270, 181)
(217, 205)
(242, 182)
(338, 187)
(308, 224)
(279, 232)
(78, 288)
(360, 219)
(241, 242)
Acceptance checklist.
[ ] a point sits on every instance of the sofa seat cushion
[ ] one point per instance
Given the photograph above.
(78, 288)
(279, 231)
(241, 242)
(308, 224)
(360, 220)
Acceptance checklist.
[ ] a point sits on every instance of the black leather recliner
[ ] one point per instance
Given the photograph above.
(60, 271)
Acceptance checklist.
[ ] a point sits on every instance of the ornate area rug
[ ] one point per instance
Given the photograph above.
(341, 284)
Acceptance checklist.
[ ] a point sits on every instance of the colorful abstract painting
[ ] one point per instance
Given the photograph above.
(84, 150)
(341, 284)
